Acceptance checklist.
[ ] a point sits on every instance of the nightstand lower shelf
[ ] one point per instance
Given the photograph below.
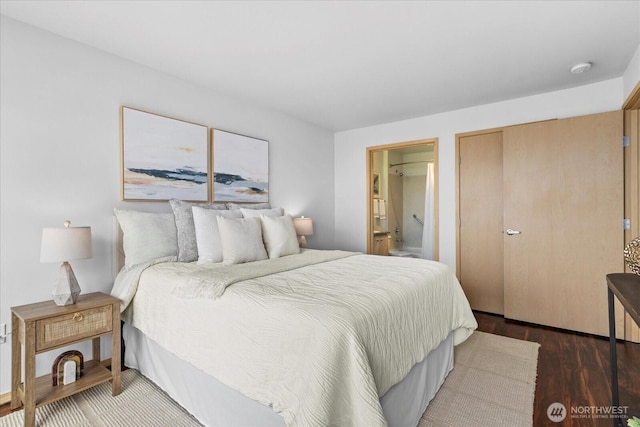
(94, 374)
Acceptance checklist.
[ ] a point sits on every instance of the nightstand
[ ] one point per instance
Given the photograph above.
(43, 327)
(625, 286)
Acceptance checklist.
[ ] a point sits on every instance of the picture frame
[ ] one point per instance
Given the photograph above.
(162, 158)
(240, 168)
(375, 185)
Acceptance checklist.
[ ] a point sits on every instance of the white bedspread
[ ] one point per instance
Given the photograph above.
(321, 343)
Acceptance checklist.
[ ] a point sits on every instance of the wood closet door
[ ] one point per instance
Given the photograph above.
(480, 234)
(563, 190)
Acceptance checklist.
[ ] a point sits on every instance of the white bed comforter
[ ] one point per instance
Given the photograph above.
(319, 344)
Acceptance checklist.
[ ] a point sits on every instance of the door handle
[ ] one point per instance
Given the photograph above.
(511, 232)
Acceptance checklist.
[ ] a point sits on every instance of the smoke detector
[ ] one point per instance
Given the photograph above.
(581, 67)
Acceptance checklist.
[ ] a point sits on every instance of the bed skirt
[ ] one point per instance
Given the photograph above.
(217, 405)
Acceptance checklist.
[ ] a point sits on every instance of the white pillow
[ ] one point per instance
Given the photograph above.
(279, 236)
(146, 236)
(207, 233)
(256, 213)
(241, 240)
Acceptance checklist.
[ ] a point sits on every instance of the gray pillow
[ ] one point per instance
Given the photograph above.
(257, 213)
(186, 229)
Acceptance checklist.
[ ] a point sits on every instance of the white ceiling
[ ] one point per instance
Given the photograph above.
(344, 64)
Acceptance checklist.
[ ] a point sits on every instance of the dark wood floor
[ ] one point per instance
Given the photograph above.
(573, 369)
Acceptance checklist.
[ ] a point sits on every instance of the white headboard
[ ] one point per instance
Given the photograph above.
(118, 248)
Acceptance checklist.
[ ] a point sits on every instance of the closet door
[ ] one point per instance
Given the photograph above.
(563, 194)
(480, 208)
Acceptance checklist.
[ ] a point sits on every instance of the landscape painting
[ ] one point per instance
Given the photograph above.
(163, 158)
(240, 168)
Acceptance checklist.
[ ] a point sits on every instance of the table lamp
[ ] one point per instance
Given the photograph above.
(304, 227)
(64, 245)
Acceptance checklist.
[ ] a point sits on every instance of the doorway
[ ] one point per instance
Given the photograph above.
(402, 199)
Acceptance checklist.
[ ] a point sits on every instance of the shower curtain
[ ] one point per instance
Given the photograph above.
(428, 231)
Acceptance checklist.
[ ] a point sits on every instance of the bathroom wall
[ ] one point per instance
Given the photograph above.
(411, 191)
(395, 201)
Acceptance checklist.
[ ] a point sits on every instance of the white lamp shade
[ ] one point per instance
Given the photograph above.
(303, 226)
(65, 244)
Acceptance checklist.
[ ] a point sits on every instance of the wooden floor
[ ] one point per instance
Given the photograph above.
(573, 369)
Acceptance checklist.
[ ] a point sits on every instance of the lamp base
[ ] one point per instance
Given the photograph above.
(66, 290)
(303, 242)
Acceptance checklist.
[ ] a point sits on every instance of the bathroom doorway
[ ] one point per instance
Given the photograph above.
(402, 199)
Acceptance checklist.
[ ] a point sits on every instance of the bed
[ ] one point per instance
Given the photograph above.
(309, 338)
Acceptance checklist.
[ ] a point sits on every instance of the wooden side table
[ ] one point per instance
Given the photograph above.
(43, 327)
(625, 286)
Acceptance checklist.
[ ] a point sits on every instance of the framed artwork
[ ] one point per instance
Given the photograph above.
(162, 158)
(376, 185)
(240, 168)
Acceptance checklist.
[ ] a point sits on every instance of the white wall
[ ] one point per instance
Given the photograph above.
(60, 156)
(350, 151)
(631, 75)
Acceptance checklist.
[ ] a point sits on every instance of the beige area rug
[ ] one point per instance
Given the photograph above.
(140, 404)
(492, 384)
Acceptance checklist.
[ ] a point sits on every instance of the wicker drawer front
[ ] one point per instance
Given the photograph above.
(61, 330)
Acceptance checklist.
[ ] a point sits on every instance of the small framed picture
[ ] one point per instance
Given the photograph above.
(376, 185)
